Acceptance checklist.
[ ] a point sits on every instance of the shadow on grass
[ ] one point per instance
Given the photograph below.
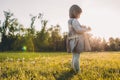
(65, 75)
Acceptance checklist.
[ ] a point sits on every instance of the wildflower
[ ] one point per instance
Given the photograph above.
(33, 62)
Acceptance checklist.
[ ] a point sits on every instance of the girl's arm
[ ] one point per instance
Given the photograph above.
(77, 27)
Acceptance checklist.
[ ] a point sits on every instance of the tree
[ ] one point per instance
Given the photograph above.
(6, 24)
(41, 39)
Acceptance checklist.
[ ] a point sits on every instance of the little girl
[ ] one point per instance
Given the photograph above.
(76, 36)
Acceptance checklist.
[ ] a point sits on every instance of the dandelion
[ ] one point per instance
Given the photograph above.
(11, 59)
(18, 59)
(23, 58)
(36, 58)
(33, 62)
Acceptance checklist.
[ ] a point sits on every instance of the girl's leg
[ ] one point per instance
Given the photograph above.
(75, 62)
(72, 63)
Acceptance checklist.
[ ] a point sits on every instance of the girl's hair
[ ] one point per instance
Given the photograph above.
(74, 11)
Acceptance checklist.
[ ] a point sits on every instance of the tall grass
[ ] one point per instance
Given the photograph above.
(57, 66)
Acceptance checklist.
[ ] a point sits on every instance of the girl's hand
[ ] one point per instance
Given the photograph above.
(83, 26)
(88, 29)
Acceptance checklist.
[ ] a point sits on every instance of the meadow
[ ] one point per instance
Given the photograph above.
(57, 66)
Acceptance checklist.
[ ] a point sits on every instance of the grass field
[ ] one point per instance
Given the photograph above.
(57, 66)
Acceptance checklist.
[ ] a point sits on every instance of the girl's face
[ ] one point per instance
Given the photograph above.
(78, 16)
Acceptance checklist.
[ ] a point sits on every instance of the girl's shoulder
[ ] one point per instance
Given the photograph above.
(72, 20)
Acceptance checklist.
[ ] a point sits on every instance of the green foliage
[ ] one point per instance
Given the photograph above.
(20, 42)
(56, 40)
